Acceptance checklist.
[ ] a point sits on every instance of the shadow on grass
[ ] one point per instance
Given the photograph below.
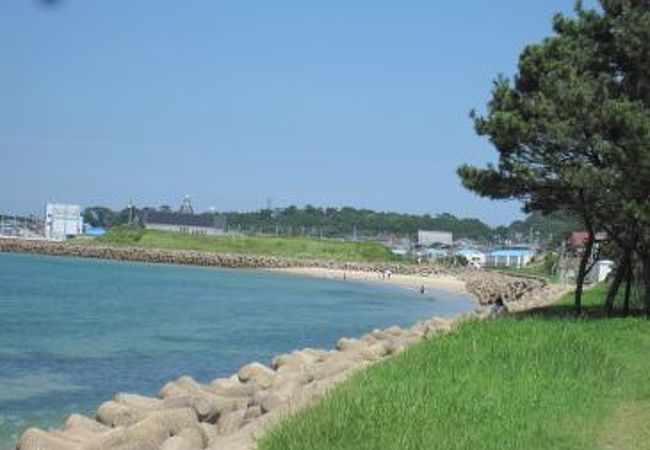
(593, 306)
(567, 312)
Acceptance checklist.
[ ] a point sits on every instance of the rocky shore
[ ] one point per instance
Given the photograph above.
(232, 413)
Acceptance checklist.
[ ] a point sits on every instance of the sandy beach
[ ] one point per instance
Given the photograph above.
(411, 282)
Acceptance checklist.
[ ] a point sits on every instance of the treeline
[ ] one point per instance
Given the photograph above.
(350, 222)
(550, 229)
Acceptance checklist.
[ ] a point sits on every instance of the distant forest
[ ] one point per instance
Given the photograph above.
(350, 222)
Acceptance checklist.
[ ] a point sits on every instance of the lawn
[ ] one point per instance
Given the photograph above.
(293, 247)
(541, 380)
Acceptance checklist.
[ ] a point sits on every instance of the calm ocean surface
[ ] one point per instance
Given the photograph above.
(73, 332)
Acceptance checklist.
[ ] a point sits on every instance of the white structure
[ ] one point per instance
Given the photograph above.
(62, 221)
(473, 256)
(600, 271)
(427, 238)
(185, 223)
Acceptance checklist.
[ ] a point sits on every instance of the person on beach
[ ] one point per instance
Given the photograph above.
(422, 290)
(498, 308)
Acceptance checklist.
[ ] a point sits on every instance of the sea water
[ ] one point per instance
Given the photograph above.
(73, 332)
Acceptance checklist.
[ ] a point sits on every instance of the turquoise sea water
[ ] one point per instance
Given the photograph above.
(73, 332)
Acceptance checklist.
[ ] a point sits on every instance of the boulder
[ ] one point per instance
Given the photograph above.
(258, 374)
(176, 419)
(303, 375)
(37, 439)
(195, 436)
(149, 431)
(394, 331)
(210, 431)
(189, 384)
(181, 387)
(231, 422)
(296, 359)
(231, 388)
(115, 414)
(83, 426)
(346, 344)
(172, 390)
(272, 399)
(207, 406)
(331, 368)
(373, 352)
(177, 443)
(253, 412)
(138, 402)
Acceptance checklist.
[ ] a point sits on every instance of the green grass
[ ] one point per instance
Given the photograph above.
(535, 381)
(535, 270)
(289, 247)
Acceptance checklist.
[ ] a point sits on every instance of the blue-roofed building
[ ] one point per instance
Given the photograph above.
(511, 257)
(95, 231)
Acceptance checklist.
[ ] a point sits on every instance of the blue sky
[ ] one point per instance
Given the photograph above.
(332, 103)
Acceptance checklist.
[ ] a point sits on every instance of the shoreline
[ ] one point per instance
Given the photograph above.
(485, 286)
(413, 283)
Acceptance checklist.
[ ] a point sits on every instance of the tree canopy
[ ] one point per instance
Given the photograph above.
(572, 129)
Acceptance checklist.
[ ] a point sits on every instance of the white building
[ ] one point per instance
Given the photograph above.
(207, 224)
(62, 221)
(600, 271)
(473, 256)
(427, 238)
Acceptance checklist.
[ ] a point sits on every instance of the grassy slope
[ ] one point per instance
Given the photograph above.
(533, 382)
(295, 247)
(536, 270)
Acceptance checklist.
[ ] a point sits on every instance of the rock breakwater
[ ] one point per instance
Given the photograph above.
(488, 286)
(202, 258)
(228, 413)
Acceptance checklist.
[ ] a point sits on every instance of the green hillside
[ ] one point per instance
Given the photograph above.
(290, 247)
(537, 381)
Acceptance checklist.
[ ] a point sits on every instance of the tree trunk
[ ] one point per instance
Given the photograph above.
(621, 271)
(582, 272)
(628, 288)
(646, 282)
